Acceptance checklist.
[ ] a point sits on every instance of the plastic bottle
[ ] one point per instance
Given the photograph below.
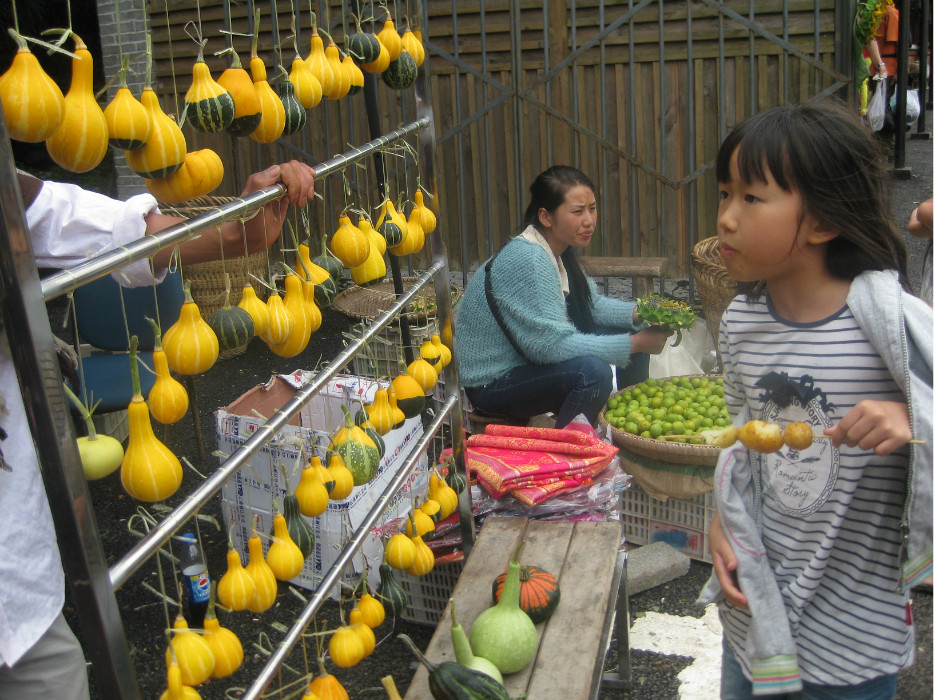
(197, 580)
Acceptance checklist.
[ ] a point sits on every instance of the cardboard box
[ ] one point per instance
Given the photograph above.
(253, 488)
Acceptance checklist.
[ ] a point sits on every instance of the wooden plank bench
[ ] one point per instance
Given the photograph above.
(643, 271)
(585, 558)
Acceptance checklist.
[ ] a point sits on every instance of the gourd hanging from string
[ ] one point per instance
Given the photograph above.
(256, 308)
(128, 124)
(81, 140)
(201, 173)
(325, 287)
(168, 398)
(281, 320)
(354, 74)
(413, 45)
(294, 302)
(373, 269)
(341, 84)
(295, 116)
(390, 37)
(33, 104)
(247, 108)
(317, 62)
(349, 243)
(190, 345)
(380, 63)
(165, 149)
(311, 306)
(306, 85)
(232, 325)
(209, 106)
(362, 46)
(272, 121)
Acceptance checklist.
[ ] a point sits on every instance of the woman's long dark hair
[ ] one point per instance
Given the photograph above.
(548, 192)
(825, 153)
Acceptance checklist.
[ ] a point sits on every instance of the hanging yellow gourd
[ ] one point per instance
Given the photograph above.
(257, 309)
(418, 523)
(190, 345)
(349, 244)
(345, 647)
(439, 491)
(373, 269)
(317, 62)
(149, 471)
(354, 74)
(413, 238)
(201, 173)
(424, 373)
(391, 39)
(307, 87)
(101, 455)
(311, 306)
(236, 588)
(424, 558)
(343, 478)
(168, 399)
(33, 104)
(432, 509)
(262, 575)
(399, 551)
(341, 83)
(372, 611)
(414, 46)
(128, 124)
(311, 492)
(209, 105)
(195, 658)
(427, 217)
(326, 686)
(224, 644)
(247, 108)
(165, 149)
(281, 321)
(443, 349)
(431, 354)
(176, 689)
(397, 414)
(410, 397)
(294, 302)
(379, 413)
(272, 122)
(363, 631)
(284, 557)
(81, 140)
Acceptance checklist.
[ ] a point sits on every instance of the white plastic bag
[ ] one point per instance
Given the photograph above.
(912, 106)
(695, 354)
(875, 112)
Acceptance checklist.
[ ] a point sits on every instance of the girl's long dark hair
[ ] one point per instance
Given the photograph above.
(548, 192)
(824, 152)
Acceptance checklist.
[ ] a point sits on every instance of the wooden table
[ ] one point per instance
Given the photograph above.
(585, 558)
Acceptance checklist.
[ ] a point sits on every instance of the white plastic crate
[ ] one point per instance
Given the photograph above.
(429, 594)
(684, 524)
(383, 356)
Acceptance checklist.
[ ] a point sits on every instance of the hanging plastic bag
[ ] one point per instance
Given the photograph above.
(912, 106)
(695, 354)
(875, 113)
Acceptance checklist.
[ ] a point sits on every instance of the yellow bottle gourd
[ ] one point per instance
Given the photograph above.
(81, 140)
(294, 302)
(410, 397)
(247, 108)
(326, 686)
(307, 87)
(341, 84)
(315, 272)
(311, 492)
(424, 558)
(190, 345)
(363, 632)
(284, 557)
(349, 243)
(431, 353)
(317, 62)
(381, 63)
(272, 123)
(397, 415)
(439, 491)
(354, 74)
(418, 523)
(168, 399)
(343, 478)
(399, 551)
(379, 413)
(414, 46)
(236, 588)
(373, 612)
(101, 455)
(209, 106)
(345, 647)
(424, 373)
(164, 151)
(149, 471)
(373, 269)
(374, 235)
(193, 654)
(281, 321)
(432, 509)
(224, 643)
(201, 173)
(177, 690)
(314, 313)
(413, 239)
(443, 349)
(257, 309)
(33, 104)
(263, 577)
(128, 124)
(428, 219)
(391, 39)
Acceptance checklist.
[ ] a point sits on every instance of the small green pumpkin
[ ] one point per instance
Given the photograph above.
(391, 232)
(299, 529)
(359, 452)
(456, 480)
(232, 325)
(390, 592)
(402, 72)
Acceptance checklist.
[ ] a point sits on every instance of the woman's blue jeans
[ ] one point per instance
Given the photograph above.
(579, 385)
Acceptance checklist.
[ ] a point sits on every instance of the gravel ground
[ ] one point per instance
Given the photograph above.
(654, 676)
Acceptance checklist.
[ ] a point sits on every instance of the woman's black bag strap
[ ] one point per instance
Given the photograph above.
(497, 314)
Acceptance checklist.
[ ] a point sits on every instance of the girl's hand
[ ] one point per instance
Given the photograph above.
(651, 340)
(880, 426)
(724, 564)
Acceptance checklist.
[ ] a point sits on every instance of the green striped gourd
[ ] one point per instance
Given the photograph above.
(359, 452)
(209, 106)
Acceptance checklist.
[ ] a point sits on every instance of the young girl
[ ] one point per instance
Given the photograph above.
(814, 550)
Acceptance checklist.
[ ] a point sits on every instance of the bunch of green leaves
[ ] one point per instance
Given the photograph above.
(667, 313)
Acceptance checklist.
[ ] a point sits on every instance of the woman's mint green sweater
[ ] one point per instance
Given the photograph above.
(525, 284)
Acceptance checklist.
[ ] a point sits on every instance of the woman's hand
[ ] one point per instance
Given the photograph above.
(650, 340)
(880, 426)
(299, 179)
(724, 564)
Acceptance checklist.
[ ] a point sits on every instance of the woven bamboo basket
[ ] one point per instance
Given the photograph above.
(207, 279)
(715, 287)
(370, 302)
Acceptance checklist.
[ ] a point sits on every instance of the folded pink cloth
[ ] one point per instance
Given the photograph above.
(534, 464)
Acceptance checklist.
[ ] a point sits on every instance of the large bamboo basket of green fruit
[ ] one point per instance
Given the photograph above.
(640, 415)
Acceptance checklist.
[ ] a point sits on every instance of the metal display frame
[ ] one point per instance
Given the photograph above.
(22, 304)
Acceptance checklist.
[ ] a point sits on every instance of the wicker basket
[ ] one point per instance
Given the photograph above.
(715, 287)
(370, 302)
(208, 284)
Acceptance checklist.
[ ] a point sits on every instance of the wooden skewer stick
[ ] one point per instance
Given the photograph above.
(813, 437)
